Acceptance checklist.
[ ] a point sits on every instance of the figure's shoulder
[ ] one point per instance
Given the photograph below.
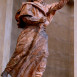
(36, 5)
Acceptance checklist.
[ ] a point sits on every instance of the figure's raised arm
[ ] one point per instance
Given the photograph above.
(58, 5)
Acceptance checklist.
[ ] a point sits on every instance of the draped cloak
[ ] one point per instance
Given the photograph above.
(30, 56)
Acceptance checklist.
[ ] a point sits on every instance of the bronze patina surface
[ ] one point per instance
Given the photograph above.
(30, 56)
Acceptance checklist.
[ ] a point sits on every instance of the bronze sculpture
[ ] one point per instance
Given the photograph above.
(30, 56)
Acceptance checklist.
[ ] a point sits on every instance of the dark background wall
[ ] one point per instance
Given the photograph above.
(61, 47)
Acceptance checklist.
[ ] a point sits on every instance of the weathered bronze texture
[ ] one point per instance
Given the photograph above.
(30, 56)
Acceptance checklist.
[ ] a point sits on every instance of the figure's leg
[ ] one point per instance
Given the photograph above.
(4, 74)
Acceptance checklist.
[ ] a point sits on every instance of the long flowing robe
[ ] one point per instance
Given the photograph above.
(30, 56)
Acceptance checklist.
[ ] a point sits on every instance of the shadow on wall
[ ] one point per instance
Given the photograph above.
(61, 44)
(61, 48)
